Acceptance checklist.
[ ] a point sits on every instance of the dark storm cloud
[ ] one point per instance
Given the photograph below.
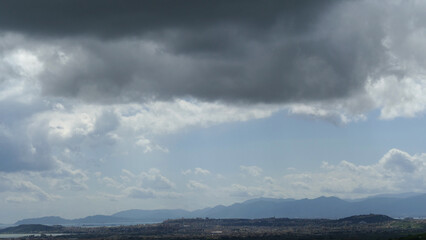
(110, 18)
(249, 51)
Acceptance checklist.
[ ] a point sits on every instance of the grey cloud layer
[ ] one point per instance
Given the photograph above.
(21, 149)
(244, 51)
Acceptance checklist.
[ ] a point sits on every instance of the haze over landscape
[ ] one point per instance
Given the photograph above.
(109, 106)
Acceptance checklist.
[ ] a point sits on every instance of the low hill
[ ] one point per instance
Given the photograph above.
(31, 228)
(51, 220)
(370, 218)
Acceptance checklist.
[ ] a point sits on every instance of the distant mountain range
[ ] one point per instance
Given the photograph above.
(413, 205)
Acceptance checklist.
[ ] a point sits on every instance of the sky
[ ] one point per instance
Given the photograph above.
(110, 105)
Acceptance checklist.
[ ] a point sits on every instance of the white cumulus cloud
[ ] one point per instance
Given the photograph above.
(253, 171)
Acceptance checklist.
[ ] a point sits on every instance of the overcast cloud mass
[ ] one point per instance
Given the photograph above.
(169, 104)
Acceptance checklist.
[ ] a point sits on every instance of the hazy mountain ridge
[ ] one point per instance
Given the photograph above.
(322, 207)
